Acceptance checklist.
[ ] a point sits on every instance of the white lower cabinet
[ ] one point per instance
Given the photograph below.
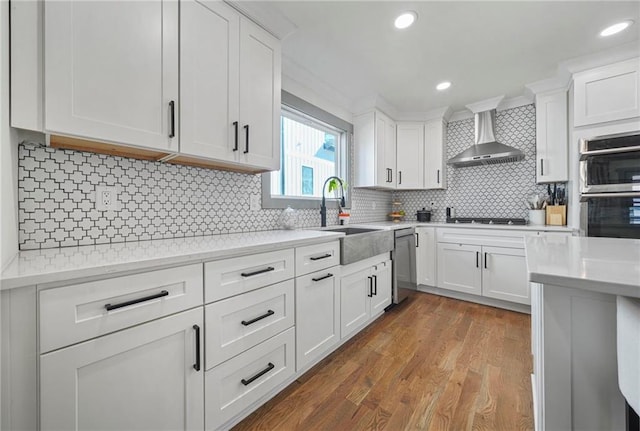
(504, 274)
(145, 377)
(459, 268)
(317, 315)
(365, 291)
(426, 255)
(235, 385)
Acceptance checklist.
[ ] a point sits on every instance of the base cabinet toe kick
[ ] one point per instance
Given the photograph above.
(193, 347)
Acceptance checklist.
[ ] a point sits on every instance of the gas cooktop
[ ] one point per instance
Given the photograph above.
(481, 220)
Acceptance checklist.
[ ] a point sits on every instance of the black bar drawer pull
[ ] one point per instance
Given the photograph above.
(172, 119)
(329, 275)
(399, 177)
(264, 316)
(235, 127)
(438, 176)
(246, 147)
(257, 376)
(477, 259)
(110, 307)
(375, 284)
(196, 366)
(542, 167)
(485, 260)
(320, 257)
(260, 271)
(417, 240)
(370, 294)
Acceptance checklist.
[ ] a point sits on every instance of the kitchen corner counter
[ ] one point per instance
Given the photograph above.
(605, 265)
(60, 264)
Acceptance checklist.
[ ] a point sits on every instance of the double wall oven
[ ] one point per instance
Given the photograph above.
(610, 185)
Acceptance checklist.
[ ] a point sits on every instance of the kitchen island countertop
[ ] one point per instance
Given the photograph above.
(606, 265)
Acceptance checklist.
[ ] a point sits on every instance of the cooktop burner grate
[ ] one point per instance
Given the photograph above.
(481, 220)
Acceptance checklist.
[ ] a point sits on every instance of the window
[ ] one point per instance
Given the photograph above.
(313, 147)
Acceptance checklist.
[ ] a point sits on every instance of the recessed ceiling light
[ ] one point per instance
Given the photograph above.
(405, 20)
(616, 28)
(443, 85)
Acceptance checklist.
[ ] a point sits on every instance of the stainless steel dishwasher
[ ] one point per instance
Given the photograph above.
(404, 264)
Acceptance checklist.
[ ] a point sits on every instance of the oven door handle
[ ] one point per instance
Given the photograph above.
(586, 196)
(585, 154)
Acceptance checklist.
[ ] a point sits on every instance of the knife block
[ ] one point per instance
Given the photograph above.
(556, 215)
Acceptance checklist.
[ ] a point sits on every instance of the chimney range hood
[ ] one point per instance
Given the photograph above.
(486, 151)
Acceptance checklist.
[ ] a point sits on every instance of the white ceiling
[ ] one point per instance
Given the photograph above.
(484, 48)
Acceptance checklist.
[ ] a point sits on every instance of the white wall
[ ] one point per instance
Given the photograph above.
(8, 152)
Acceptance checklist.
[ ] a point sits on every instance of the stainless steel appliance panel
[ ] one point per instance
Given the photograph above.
(612, 215)
(610, 163)
(404, 264)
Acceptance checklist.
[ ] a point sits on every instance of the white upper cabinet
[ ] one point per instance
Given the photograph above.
(111, 71)
(230, 87)
(375, 151)
(260, 85)
(435, 136)
(607, 93)
(209, 79)
(552, 137)
(410, 155)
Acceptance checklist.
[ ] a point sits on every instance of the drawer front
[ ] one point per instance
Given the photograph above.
(81, 311)
(229, 277)
(492, 237)
(239, 323)
(317, 257)
(234, 385)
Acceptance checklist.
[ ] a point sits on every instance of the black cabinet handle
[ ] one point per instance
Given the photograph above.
(390, 175)
(399, 177)
(321, 257)
(235, 132)
(260, 271)
(110, 307)
(172, 119)
(329, 275)
(370, 294)
(477, 259)
(541, 166)
(264, 316)
(196, 366)
(417, 240)
(485, 260)
(246, 146)
(375, 284)
(438, 176)
(257, 376)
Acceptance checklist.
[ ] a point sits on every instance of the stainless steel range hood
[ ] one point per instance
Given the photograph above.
(486, 151)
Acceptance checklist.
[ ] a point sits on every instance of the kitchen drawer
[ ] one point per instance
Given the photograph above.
(317, 257)
(81, 311)
(493, 237)
(236, 384)
(229, 277)
(239, 323)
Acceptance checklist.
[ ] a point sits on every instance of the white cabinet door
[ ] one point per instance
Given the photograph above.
(139, 378)
(111, 71)
(410, 155)
(426, 255)
(374, 150)
(209, 79)
(552, 137)
(260, 86)
(317, 315)
(381, 297)
(355, 304)
(385, 151)
(459, 268)
(435, 133)
(607, 93)
(504, 274)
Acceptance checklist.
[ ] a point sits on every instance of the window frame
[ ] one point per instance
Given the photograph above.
(303, 108)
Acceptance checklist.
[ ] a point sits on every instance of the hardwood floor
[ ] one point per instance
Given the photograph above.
(432, 363)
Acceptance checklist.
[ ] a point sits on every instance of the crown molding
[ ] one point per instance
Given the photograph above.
(266, 15)
(485, 105)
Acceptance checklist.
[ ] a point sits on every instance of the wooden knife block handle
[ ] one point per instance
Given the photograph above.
(556, 215)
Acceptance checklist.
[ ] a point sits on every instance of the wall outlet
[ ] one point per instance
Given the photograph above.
(106, 198)
(254, 203)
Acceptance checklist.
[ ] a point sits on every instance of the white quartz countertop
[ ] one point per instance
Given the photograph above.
(606, 265)
(405, 224)
(68, 263)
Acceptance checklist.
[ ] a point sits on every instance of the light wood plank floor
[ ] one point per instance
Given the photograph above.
(431, 363)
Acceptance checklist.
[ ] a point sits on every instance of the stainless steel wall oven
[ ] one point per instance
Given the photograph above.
(610, 185)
